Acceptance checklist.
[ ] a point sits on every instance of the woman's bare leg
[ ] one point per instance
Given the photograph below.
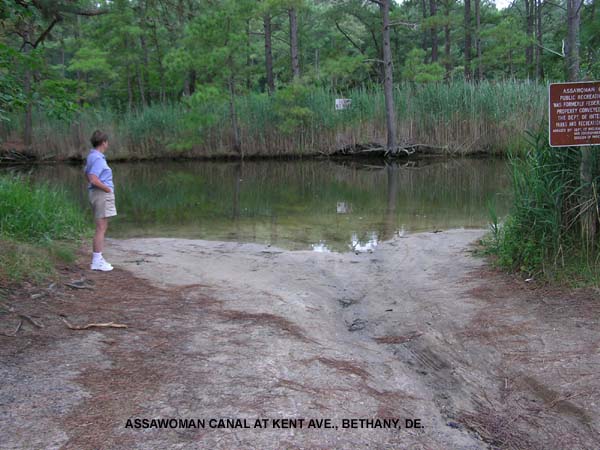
(101, 226)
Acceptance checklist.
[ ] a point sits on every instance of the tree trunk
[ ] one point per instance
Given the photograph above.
(145, 69)
(129, 91)
(388, 81)
(62, 58)
(268, 54)
(591, 50)
(468, 40)
(572, 44)
(140, 77)
(529, 25)
(79, 137)
(180, 8)
(28, 125)
(434, 32)
(447, 41)
(237, 143)
(478, 39)
(588, 218)
(294, 42)
(190, 83)
(237, 188)
(539, 68)
(248, 56)
(389, 228)
(424, 43)
(161, 69)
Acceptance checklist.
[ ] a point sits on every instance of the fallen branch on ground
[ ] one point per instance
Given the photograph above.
(32, 320)
(14, 332)
(14, 156)
(93, 325)
(376, 148)
(7, 307)
(79, 286)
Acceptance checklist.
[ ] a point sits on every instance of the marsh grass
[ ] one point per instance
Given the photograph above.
(34, 262)
(300, 119)
(39, 226)
(37, 213)
(542, 236)
(20, 261)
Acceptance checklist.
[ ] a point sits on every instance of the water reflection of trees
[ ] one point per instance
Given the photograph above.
(389, 224)
(295, 201)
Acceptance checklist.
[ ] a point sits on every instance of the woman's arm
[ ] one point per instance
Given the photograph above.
(95, 181)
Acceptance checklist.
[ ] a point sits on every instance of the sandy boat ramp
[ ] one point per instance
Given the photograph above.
(416, 345)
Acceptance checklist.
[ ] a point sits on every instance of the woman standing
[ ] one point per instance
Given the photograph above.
(101, 194)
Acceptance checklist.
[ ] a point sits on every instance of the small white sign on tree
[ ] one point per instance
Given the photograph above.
(342, 103)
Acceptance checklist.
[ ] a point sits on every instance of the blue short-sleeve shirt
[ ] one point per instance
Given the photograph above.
(96, 164)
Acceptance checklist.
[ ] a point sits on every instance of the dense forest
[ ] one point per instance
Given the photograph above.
(262, 76)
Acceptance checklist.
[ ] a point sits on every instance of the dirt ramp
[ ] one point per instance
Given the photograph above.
(231, 345)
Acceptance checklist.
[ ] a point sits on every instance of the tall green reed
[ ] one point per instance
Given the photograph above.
(541, 234)
(458, 116)
(37, 213)
(39, 225)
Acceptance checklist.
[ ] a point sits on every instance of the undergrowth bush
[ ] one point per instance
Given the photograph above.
(542, 234)
(39, 226)
(34, 213)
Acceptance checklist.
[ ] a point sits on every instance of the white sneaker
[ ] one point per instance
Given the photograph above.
(107, 263)
(101, 265)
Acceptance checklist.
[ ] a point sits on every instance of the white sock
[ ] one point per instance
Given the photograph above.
(96, 257)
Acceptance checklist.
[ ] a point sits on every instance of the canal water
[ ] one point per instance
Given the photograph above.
(318, 205)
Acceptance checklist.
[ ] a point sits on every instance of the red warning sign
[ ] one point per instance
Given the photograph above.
(574, 114)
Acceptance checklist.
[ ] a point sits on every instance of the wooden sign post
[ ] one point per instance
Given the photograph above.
(574, 114)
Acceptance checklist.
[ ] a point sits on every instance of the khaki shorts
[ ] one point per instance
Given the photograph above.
(103, 203)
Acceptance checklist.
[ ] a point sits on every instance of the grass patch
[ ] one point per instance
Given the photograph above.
(542, 235)
(23, 261)
(40, 226)
(37, 213)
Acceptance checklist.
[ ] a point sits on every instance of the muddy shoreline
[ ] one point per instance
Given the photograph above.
(420, 328)
(7, 160)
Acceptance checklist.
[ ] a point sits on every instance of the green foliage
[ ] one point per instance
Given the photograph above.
(205, 109)
(178, 62)
(504, 46)
(590, 40)
(36, 213)
(143, 53)
(39, 226)
(217, 40)
(204, 103)
(344, 70)
(292, 107)
(416, 70)
(11, 90)
(540, 236)
(91, 61)
(139, 53)
(54, 95)
(58, 98)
